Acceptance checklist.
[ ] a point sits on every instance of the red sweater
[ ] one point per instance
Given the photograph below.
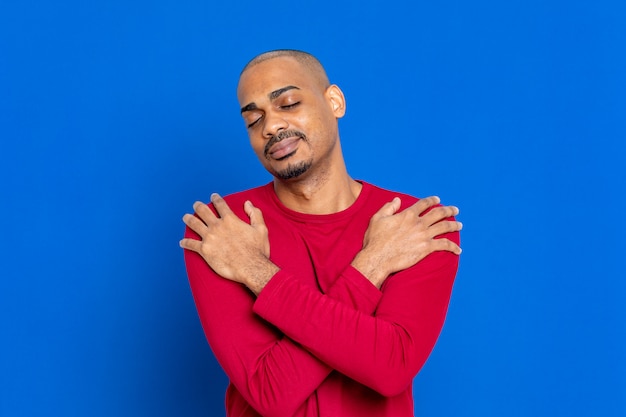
(320, 339)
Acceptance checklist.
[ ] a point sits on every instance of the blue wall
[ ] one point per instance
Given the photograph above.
(115, 116)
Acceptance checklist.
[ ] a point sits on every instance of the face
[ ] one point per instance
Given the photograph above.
(290, 116)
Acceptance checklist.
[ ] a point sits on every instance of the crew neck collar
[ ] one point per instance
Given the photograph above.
(320, 218)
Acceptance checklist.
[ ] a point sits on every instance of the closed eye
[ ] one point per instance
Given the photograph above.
(290, 106)
(253, 123)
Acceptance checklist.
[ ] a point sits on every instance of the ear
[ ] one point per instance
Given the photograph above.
(336, 100)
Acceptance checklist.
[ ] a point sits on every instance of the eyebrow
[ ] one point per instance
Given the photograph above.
(272, 96)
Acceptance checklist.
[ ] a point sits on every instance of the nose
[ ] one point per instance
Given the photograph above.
(274, 123)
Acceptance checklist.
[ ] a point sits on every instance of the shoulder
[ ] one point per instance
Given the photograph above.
(256, 193)
(259, 196)
(379, 195)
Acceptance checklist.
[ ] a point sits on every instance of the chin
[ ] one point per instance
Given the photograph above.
(293, 170)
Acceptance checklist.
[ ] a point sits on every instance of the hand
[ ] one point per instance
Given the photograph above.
(236, 250)
(396, 241)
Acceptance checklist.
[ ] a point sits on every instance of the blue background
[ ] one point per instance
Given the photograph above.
(115, 116)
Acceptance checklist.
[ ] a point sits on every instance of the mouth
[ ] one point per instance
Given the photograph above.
(283, 145)
(284, 148)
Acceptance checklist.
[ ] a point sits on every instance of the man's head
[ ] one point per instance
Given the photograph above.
(291, 111)
(308, 61)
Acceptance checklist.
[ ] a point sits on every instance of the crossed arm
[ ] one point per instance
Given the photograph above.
(277, 373)
(392, 243)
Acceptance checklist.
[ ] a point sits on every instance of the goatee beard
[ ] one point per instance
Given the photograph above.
(294, 171)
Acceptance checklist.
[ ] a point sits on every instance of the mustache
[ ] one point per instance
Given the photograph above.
(283, 134)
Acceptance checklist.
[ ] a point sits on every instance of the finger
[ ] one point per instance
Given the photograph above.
(195, 224)
(439, 213)
(204, 212)
(255, 214)
(258, 223)
(446, 245)
(389, 209)
(220, 205)
(424, 204)
(443, 227)
(191, 244)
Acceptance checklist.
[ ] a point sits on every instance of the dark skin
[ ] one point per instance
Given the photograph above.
(282, 95)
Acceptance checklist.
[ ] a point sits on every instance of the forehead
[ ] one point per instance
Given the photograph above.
(267, 76)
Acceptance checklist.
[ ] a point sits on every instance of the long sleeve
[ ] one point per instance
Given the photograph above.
(274, 374)
(383, 351)
(271, 372)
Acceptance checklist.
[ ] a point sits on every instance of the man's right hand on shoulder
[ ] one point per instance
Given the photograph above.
(396, 241)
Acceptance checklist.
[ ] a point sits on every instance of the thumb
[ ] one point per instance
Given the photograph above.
(255, 214)
(389, 209)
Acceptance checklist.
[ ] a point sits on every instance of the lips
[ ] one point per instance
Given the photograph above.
(283, 148)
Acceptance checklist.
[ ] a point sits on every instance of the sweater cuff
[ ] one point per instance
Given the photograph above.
(350, 288)
(265, 298)
(362, 294)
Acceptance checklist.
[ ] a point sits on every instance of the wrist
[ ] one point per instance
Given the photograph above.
(370, 268)
(259, 274)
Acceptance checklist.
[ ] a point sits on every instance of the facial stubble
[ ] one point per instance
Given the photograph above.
(292, 170)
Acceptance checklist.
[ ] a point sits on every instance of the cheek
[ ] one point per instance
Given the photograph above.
(310, 125)
(323, 128)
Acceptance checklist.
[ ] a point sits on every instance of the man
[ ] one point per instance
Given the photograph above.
(319, 295)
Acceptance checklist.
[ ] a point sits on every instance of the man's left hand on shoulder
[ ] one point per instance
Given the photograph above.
(234, 249)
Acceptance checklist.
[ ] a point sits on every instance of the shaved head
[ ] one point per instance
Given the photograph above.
(308, 61)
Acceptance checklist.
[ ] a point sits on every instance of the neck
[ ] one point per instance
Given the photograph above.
(319, 193)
